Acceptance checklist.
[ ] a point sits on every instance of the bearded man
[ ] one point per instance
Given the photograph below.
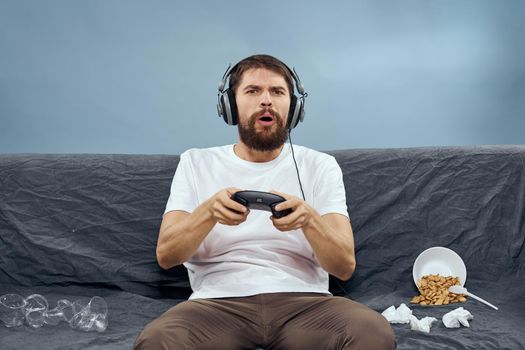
(260, 280)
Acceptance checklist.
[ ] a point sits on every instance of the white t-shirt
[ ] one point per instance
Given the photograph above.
(254, 257)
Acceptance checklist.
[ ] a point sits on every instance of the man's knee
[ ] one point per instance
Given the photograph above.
(339, 324)
(371, 332)
(156, 336)
(364, 328)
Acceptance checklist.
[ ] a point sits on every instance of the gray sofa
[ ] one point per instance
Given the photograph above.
(76, 226)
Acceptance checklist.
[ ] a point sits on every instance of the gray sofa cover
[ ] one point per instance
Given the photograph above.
(76, 226)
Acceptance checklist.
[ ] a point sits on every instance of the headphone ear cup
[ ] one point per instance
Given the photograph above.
(227, 107)
(296, 113)
(233, 107)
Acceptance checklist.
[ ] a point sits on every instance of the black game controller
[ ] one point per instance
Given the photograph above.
(261, 201)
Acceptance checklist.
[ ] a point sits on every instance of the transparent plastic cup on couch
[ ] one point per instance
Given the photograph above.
(99, 308)
(91, 316)
(35, 308)
(12, 310)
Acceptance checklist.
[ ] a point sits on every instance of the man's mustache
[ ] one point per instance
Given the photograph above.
(264, 111)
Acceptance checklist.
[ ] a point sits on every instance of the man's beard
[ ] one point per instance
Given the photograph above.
(265, 140)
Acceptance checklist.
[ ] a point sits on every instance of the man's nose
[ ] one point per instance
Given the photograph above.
(266, 100)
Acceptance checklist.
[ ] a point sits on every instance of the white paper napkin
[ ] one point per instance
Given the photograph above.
(422, 325)
(400, 315)
(454, 318)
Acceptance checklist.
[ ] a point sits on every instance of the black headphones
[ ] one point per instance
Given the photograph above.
(227, 107)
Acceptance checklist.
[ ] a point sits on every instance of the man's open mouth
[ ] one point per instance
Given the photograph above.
(266, 119)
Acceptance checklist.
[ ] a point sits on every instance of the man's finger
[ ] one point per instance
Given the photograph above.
(232, 190)
(235, 206)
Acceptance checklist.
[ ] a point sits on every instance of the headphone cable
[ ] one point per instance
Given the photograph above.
(295, 162)
(335, 279)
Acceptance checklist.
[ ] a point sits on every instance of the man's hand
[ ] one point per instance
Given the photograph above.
(298, 218)
(181, 232)
(225, 210)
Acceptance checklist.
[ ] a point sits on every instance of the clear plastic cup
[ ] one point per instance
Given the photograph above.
(97, 305)
(99, 308)
(36, 306)
(12, 310)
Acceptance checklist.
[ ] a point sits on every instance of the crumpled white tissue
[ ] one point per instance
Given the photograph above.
(457, 316)
(422, 325)
(400, 315)
(403, 314)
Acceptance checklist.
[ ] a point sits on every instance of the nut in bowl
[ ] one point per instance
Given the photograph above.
(435, 270)
(434, 291)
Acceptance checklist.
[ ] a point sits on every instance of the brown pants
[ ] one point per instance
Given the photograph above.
(284, 321)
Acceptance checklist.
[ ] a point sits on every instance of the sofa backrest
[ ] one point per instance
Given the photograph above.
(94, 219)
(403, 201)
(86, 220)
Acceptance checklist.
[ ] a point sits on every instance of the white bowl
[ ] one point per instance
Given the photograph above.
(439, 260)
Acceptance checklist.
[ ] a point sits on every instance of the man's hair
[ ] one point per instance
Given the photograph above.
(260, 61)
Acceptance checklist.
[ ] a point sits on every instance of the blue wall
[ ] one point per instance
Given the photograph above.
(128, 76)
